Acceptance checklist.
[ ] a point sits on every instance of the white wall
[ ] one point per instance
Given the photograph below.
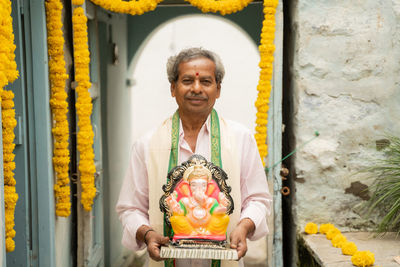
(118, 137)
(151, 99)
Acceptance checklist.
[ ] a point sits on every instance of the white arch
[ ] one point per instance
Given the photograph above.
(151, 101)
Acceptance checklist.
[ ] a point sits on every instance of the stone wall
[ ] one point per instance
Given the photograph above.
(345, 83)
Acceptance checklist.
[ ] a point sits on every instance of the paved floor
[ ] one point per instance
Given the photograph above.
(385, 249)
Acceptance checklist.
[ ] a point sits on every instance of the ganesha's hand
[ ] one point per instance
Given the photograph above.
(174, 205)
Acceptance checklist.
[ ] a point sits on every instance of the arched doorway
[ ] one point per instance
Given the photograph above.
(150, 89)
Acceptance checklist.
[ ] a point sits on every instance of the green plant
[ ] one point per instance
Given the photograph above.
(386, 188)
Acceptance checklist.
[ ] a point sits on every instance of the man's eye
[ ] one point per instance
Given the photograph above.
(207, 82)
(186, 80)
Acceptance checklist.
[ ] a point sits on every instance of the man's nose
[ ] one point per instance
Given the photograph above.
(196, 88)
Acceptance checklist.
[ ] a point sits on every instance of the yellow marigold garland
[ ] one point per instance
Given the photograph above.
(222, 6)
(84, 108)
(264, 87)
(359, 258)
(8, 74)
(128, 7)
(59, 105)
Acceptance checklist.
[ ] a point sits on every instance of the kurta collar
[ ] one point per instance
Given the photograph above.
(206, 126)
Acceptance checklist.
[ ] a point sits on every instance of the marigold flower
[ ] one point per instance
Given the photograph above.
(338, 240)
(332, 233)
(363, 258)
(325, 227)
(349, 248)
(10, 244)
(311, 228)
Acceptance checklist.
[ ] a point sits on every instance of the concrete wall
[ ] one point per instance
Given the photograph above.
(345, 82)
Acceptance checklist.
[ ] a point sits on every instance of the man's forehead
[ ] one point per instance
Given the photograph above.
(204, 59)
(191, 71)
(200, 74)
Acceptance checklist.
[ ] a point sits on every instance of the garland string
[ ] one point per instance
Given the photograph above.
(59, 105)
(83, 107)
(8, 74)
(264, 87)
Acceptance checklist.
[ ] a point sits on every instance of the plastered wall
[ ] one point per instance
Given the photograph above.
(345, 83)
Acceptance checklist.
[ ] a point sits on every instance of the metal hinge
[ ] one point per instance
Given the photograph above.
(18, 131)
(21, 6)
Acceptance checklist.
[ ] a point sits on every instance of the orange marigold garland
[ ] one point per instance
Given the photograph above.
(264, 87)
(8, 74)
(84, 108)
(10, 196)
(59, 106)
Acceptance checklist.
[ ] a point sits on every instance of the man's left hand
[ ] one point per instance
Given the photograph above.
(238, 236)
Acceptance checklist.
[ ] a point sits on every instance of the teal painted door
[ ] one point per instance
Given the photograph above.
(34, 213)
(90, 225)
(20, 257)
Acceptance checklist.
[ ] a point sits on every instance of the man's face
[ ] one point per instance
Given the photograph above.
(196, 89)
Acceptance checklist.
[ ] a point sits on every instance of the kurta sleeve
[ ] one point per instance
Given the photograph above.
(133, 202)
(256, 198)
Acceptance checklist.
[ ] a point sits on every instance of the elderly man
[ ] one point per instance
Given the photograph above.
(195, 76)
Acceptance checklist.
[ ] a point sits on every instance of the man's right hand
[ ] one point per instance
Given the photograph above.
(153, 240)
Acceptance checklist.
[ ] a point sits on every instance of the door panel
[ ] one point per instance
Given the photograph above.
(21, 254)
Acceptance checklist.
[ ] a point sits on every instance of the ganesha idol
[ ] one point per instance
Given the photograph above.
(196, 203)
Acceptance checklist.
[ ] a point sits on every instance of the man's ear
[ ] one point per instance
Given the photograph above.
(172, 88)
(218, 89)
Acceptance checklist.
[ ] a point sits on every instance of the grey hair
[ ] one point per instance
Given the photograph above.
(193, 53)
